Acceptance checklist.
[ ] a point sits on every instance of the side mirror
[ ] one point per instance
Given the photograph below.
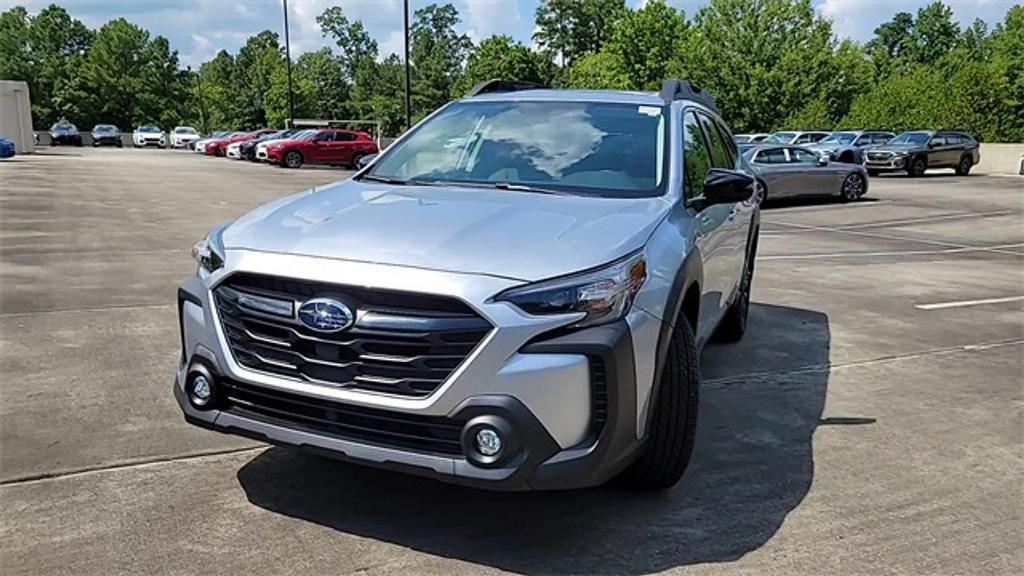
(365, 161)
(822, 160)
(726, 187)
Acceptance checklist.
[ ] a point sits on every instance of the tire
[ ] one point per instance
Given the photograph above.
(762, 192)
(873, 173)
(853, 188)
(965, 165)
(734, 323)
(292, 159)
(120, 144)
(355, 161)
(917, 167)
(846, 158)
(673, 423)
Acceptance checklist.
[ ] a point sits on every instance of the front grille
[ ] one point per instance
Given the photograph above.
(402, 343)
(879, 156)
(429, 434)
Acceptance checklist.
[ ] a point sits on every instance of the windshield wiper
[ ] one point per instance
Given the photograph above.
(525, 188)
(384, 179)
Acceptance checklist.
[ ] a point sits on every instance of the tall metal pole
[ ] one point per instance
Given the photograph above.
(288, 57)
(408, 73)
(202, 105)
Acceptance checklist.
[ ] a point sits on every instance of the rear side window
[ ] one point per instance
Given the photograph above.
(696, 158)
(720, 157)
(773, 156)
(938, 141)
(344, 136)
(801, 156)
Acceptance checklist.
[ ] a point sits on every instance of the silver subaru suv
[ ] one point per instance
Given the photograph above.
(512, 296)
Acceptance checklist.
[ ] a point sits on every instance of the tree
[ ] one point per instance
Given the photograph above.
(114, 68)
(355, 42)
(253, 69)
(215, 89)
(15, 59)
(761, 59)
(648, 42)
(935, 33)
(326, 75)
(600, 70)
(502, 57)
(437, 52)
(893, 44)
(575, 28)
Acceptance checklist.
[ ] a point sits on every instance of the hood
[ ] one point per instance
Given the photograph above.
(519, 235)
(829, 147)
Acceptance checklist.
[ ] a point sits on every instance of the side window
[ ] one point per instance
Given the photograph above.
(696, 158)
(883, 138)
(344, 136)
(937, 141)
(772, 156)
(864, 140)
(801, 156)
(730, 143)
(720, 157)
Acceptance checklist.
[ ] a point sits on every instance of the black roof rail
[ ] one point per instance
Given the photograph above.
(674, 89)
(498, 85)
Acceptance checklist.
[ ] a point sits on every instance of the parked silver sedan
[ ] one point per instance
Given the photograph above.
(791, 171)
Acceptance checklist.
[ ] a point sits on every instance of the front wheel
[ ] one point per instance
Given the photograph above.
(853, 188)
(673, 423)
(292, 159)
(917, 167)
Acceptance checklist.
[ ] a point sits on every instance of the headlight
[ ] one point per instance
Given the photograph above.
(602, 295)
(209, 252)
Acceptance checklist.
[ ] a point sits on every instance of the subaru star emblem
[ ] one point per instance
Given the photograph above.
(326, 315)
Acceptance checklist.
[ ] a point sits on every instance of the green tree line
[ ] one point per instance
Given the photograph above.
(770, 64)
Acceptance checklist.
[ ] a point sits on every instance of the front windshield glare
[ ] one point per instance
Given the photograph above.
(910, 138)
(780, 138)
(839, 138)
(577, 147)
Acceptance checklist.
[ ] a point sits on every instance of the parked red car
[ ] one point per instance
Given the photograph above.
(218, 147)
(328, 146)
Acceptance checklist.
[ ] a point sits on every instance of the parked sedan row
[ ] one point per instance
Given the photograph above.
(292, 148)
(66, 133)
(879, 151)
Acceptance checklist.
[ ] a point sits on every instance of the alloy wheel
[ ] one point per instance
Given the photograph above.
(853, 187)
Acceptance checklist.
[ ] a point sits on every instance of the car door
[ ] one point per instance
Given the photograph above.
(725, 155)
(809, 177)
(320, 149)
(938, 151)
(709, 234)
(344, 147)
(770, 163)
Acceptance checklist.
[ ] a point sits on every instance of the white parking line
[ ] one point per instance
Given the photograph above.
(991, 249)
(831, 207)
(964, 303)
(891, 237)
(923, 219)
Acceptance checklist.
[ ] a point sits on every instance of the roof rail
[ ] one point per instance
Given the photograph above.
(673, 89)
(498, 85)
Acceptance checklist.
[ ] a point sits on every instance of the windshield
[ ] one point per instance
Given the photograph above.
(104, 128)
(780, 138)
(577, 147)
(911, 138)
(184, 130)
(840, 138)
(149, 129)
(62, 127)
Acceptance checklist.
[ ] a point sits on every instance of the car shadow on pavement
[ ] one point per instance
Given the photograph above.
(753, 464)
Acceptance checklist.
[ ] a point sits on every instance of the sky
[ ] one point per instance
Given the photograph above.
(200, 28)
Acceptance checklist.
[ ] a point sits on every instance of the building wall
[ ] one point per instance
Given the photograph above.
(1001, 159)
(16, 115)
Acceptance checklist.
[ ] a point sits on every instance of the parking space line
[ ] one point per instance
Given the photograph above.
(965, 249)
(965, 303)
(85, 309)
(924, 219)
(832, 207)
(889, 237)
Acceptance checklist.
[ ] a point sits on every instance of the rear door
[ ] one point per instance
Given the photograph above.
(808, 176)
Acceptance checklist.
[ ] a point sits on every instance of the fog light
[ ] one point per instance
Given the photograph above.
(488, 441)
(200, 391)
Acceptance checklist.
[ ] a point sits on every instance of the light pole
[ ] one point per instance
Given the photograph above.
(288, 58)
(408, 73)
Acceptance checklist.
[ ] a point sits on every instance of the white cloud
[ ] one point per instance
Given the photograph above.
(484, 18)
(858, 19)
(393, 44)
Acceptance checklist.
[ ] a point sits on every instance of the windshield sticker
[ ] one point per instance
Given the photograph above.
(649, 110)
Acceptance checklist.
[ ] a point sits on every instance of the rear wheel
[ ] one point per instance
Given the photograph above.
(762, 191)
(853, 187)
(673, 423)
(292, 159)
(965, 165)
(917, 167)
(355, 161)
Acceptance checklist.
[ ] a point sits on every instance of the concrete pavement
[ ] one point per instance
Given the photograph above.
(852, 431)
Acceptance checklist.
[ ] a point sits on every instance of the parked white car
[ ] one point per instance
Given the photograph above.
(234, 150)
(261, 148)
(147, 135)
(184, 137)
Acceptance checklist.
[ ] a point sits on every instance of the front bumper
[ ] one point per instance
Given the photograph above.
(570, 400)
(234, 152)
(892, 164)
(143, 142)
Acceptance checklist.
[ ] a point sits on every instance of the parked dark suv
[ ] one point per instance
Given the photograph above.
(920, 150)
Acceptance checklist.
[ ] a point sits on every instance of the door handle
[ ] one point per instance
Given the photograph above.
(732, 214)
